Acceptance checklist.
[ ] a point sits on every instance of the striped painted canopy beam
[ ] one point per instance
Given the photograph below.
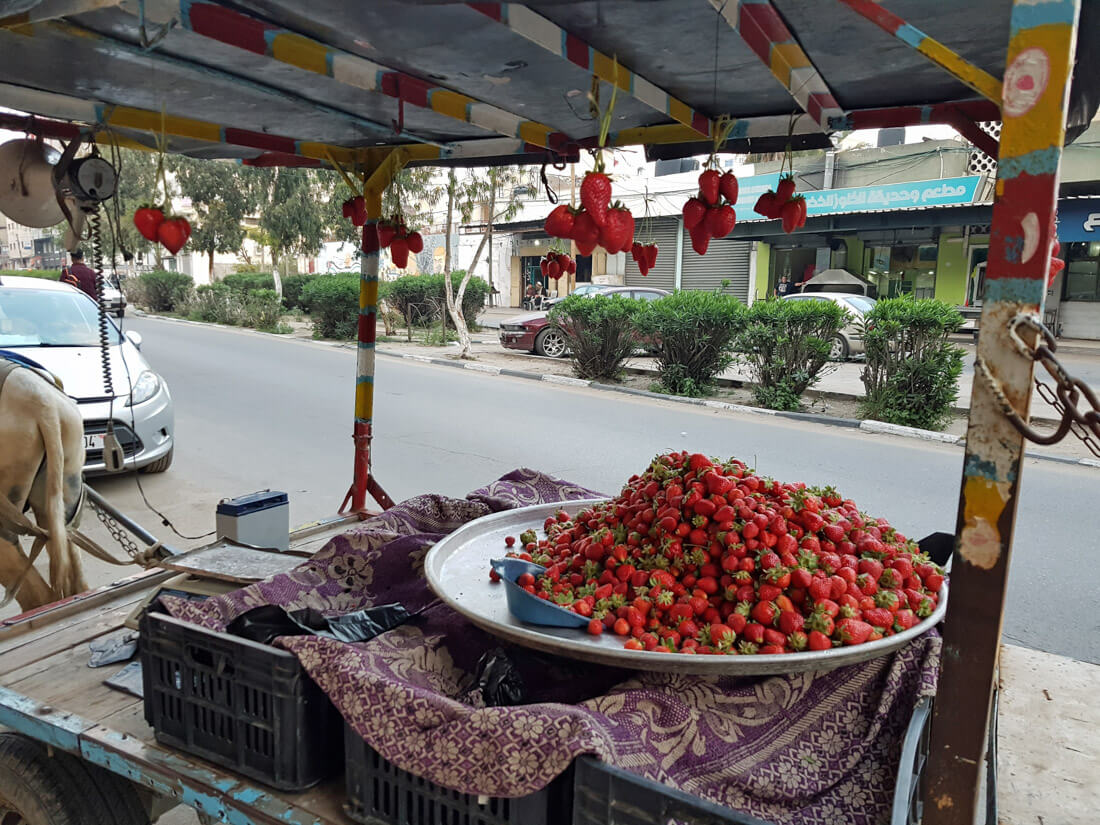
(963, 70)
(550, 36)
(763, 30)
(243, 31)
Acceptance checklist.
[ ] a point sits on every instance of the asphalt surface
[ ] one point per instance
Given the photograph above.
(255, 412)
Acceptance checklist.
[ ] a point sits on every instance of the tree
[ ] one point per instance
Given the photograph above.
(494, 196)
(295, 213)
(222, 195)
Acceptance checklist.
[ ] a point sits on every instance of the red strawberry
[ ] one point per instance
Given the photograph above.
(853, 631)
(636, 251)
(347, 209)
(148, 219)
(879, 617)
(415, 242)
(572, 265)
(358, 210)
(651, 255)
(617, 231)
(819, 641)
(720, 220)
(708, 186)
(785, 190)
(767, 205)
(544, 267)
(802, 208)
(173, 233)
(694, 212)
(386, 233)
(559, 223)
(727, 185)
(399, 252)
(790, 212)
(596, 196)
(790, 621)
(553, 270)
(700, 239)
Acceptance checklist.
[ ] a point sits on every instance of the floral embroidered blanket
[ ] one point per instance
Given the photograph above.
(803, 748)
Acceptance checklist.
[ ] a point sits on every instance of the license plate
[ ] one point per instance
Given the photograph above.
(93, 442)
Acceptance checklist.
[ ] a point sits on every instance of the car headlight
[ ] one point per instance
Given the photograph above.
(144, 388)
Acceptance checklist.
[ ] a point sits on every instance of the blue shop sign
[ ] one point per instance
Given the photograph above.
(749, 189)
(1079, 219)
(925, 193)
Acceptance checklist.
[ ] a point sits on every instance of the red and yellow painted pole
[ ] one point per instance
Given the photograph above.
(1036, 91)
(976, 78)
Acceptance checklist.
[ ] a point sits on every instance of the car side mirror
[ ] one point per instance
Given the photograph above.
(134, 338)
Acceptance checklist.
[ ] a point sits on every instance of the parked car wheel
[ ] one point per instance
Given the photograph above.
(160, 465)
(551, 343)
(839, 349)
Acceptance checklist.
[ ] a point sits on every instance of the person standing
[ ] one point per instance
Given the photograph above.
(783, 288)
(85, 276)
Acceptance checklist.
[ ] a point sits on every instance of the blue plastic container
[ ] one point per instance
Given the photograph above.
(527, 607)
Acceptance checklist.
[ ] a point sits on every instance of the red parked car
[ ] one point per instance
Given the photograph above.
(533, 333)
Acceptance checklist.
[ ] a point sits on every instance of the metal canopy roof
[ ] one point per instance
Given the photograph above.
(482, 82)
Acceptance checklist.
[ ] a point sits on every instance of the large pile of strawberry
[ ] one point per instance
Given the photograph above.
(700, 556)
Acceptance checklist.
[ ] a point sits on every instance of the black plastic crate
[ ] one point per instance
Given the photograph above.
(240, 704)
(380, 793)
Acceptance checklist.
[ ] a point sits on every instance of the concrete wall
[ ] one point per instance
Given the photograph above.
(1080, 319)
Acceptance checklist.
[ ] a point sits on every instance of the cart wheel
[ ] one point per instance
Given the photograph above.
(40, 787)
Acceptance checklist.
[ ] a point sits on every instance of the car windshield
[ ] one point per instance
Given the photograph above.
(861, 302)
(49, 318)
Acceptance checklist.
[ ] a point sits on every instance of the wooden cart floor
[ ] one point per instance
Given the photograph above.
(1049, 767)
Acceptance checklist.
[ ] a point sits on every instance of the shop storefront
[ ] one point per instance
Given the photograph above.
(1076, 291)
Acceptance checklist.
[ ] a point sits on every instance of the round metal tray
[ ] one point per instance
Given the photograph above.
(457, 569)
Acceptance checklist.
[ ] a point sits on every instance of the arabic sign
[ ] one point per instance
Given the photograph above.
(941, 192)
(1079, 219)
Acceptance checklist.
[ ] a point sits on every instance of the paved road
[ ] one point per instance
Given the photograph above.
(256, 411)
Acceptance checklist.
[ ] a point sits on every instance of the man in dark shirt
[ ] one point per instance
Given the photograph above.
(85, 276)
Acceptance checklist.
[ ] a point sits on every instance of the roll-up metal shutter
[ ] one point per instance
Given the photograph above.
(663, 275)
(726, 259)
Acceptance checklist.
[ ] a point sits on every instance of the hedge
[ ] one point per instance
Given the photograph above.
(599, 330)
(160, 291)
(46, 274)
(421, 299)
(248, 281)
(333, 302)
(293, 285)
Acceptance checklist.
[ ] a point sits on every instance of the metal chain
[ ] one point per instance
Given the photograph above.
(1064, 397)
(118, 532)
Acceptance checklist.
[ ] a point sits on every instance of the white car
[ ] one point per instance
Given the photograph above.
(849, 341)
(57, 326)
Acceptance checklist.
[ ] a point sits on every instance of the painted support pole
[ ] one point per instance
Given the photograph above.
(364, 363)
(763, 30)
(976, 78)
(1040, 56)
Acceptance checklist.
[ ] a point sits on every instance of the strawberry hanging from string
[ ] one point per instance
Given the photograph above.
(555, 263)
(645, 254)
(783, 203)
(150, 219)
(710, 213)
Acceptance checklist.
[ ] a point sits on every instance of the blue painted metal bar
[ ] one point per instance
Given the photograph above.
(55, 728)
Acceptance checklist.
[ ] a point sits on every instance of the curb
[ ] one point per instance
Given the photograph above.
(866, 425)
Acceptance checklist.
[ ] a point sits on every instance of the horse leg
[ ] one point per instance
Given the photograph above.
(33, 592)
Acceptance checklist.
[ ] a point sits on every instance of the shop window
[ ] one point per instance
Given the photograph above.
(1082, 276)
(902, 270)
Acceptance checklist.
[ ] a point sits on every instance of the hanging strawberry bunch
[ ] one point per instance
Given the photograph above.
(645, 254)
(355, 209)
(554, 264)
(170, 231)
(395, 236)
(1056, 263)
(598, 221)
(783, 204)
(710, 213)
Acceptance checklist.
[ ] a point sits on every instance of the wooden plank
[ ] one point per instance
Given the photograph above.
(232, 563)
(1048, 764)
(65, 681)
(220, 794)
(57, 728)
(65, 634)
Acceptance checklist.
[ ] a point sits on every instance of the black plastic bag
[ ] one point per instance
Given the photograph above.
(498, 680)
(938, 546)
(264, 624)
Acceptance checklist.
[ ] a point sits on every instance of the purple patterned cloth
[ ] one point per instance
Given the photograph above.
(803, 748)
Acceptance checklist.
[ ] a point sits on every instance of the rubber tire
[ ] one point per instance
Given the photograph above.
(540, 344)
(56, 788)
(160, 465)
(844, 351)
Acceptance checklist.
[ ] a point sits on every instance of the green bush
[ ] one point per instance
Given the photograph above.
(785, 344)
(912, 372)
(422, 299)
(292, 290)
(248, 281)
(163, 291)
(694, 334)
(334, 305)
(214, 303)
(600, 332)
(261, 309)
(46, 274)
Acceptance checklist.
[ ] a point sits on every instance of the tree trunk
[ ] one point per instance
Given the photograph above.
(210, 253)
(452, 184)
(454, 302)
(278, 279)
